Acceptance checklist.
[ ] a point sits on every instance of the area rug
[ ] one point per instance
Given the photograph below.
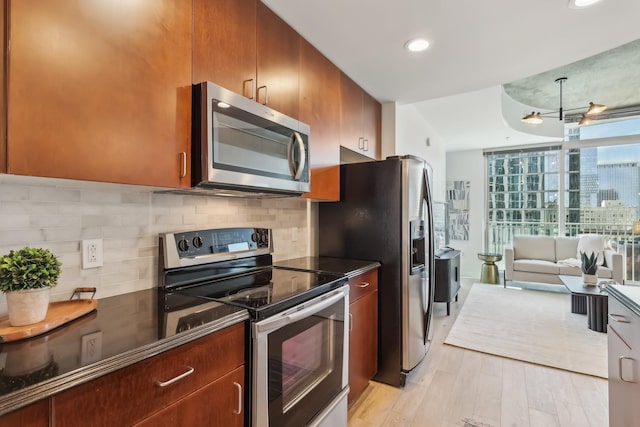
(533, 326)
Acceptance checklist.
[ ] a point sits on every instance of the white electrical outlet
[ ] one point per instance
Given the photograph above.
(91, 348)
(92, 253)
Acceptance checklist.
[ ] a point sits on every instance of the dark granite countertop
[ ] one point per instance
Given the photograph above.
(628, 295)
(347, 267)
(124, 329)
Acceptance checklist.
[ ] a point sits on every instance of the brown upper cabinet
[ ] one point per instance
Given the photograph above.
(224, 44)
(100, 91)
(360, 119)
(319, 98)
(245, 47)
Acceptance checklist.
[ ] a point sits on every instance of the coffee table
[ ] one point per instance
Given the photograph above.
(596, 307)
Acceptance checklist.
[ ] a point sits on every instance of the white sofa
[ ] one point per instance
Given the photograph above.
(535, 259)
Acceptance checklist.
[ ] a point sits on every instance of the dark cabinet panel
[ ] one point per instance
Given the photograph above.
(100, 91)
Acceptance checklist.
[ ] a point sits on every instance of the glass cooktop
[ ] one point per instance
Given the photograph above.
(266, 291)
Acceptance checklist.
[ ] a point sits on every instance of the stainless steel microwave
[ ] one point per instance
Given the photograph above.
(241, 146)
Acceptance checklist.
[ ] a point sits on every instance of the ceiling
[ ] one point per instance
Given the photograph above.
(476, 47)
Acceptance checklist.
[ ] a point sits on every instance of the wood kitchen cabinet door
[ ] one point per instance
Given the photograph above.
(371, 125)
(224, 44)
(278, 63)
(360, 117)
(35, 415)
(319, 96)
(134, 393)
(363, 344)
(363, 338)
(220, 403)
(100, 91)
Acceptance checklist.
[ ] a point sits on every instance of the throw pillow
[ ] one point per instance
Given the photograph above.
(592, 243)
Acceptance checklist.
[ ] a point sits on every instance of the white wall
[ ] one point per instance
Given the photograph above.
(405, 131)
(469, 166)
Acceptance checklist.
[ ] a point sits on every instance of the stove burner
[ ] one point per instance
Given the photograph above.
(252, 297)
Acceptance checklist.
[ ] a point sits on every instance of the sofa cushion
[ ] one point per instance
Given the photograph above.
(566, 247)
(534, 247)
(589, 243)
(536, 266)
(569, 270)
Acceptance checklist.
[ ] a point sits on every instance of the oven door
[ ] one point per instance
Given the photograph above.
(301, 361)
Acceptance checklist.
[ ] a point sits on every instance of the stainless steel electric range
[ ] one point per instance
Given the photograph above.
(298, 343)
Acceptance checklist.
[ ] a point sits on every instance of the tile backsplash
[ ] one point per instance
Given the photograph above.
(58, 214)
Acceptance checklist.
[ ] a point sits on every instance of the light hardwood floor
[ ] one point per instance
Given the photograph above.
(459, 387)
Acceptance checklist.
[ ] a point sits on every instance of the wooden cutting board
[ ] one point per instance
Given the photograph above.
(59, 313)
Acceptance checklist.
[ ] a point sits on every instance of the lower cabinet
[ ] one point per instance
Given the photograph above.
(35, 415)
(217, 404)
(209, 369)
(363, 339)
(623, 338)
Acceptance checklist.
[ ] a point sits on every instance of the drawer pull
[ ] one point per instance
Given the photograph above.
(239, 388)
(190, 371)
(618, 318)
(620, 368)
(363, 285)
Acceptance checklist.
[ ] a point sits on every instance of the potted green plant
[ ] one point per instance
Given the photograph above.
(26, 277)
(589, 268)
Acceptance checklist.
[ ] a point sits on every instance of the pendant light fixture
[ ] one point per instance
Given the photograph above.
(593, 109)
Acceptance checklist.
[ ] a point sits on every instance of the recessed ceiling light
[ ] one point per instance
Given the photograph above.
(417, 45)
(580, 4)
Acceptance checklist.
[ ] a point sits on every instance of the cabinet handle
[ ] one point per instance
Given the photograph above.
(366, 145)
(363, 285)
(183, 164)
(266, 95)
(350, 322)
(620, 368)
(618, 318)
(456, 275)
(190, 371)
(239, 388)
(361, 143)
(244, 88)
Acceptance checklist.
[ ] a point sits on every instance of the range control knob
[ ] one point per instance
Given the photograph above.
(198, 242)
(255, 237)
(264, 238)
(183, 245)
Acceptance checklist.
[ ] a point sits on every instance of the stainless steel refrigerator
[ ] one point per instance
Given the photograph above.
(384, 214)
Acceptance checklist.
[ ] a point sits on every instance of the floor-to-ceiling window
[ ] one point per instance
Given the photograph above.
(590, 185)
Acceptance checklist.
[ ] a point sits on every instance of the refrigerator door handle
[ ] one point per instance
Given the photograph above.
(430, 258)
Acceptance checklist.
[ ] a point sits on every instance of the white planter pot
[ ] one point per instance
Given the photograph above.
(28, 306)
(589, 279)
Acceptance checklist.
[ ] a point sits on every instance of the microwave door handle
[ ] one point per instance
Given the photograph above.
(303, 156)
(292, 166)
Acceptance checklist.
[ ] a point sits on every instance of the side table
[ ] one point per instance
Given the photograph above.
(489, 272)
(447, 274)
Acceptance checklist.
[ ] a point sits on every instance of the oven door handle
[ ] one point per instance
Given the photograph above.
(279, 321)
